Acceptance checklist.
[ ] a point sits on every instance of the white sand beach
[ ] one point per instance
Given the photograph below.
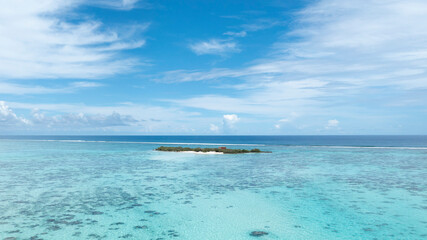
(202, 152)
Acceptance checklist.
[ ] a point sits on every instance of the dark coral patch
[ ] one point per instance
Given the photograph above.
(258, 233)
(140, 227)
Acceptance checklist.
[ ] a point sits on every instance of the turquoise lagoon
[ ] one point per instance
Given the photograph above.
(86, 188)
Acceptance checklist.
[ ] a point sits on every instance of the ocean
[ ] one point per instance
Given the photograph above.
(308, 187)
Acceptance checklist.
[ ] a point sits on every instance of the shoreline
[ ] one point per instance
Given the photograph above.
(219, 150)
(194, 152)
(202, 152)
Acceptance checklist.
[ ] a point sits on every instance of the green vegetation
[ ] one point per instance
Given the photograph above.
(225, 151)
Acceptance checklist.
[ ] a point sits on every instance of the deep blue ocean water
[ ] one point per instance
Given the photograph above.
(338, 140)
(309, 187)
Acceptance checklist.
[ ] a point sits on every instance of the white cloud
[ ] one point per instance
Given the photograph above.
(292, 116)
(117, 4)
(361, 23)
(345, 49)
(332, 124)
(214, 128)
(86, 84)
(260, 24)
(36, 41)
(231, 118)
(188, 76)
(136, 110)
(9, 118)
(81, 120)
(214, 46)
(229, 121)
(20, 89)
(126, 117)
(39, 120)
(235, 34)
(256, 25)
(273, 99)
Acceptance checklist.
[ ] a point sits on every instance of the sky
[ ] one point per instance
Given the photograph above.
(260, 67)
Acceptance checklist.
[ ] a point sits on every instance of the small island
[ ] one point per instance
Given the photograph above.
(220, 150)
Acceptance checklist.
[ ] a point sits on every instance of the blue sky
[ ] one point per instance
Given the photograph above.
(213, 67)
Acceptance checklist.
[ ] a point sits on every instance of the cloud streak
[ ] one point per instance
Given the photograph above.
(40, 41)
(21, 89)
(214, 47)
(116, 4)
(346, 53)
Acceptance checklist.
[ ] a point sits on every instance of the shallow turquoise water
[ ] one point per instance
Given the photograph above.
(110, 190)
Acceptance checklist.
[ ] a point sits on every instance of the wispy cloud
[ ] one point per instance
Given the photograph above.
(39, 41)
(235, 34)
(333, 123)
(287, 120)
(214, 46)
(260, 24)
(119, 4)
(86, 84)
(21, 89)
(344, 50)
(274, 99)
